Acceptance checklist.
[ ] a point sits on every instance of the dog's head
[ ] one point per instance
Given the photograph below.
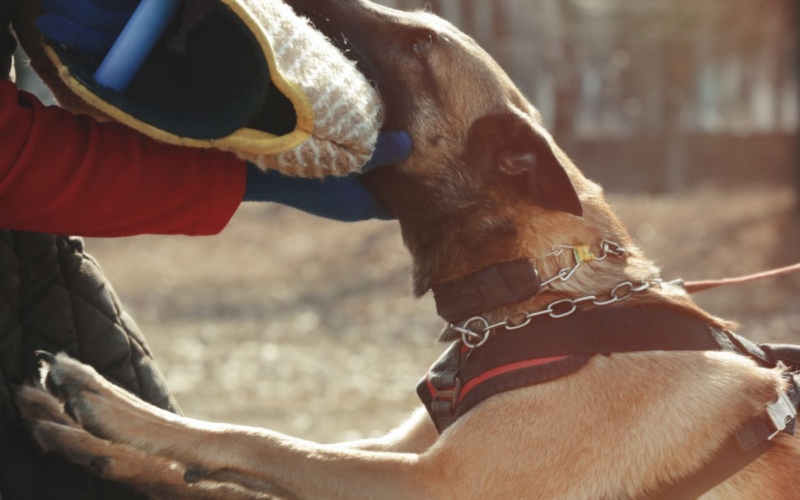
(483, 169)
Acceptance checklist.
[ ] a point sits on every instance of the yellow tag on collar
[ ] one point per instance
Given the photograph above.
(583, 253)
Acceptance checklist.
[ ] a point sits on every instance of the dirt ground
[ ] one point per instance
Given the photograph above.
(308, 327)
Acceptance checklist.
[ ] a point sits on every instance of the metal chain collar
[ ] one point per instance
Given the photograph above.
(562, 308)
(583, 253)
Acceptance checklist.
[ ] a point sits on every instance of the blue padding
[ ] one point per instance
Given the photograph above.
(135, 43)
(217, 84)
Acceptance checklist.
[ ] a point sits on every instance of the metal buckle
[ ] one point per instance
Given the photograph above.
(781, 413)
(471, 338)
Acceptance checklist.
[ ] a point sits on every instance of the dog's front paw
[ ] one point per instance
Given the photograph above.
(156, 476)
(55, 431)
(90, 400)
(36, 404)
(100, 407)
(67, 378)
(93, 402)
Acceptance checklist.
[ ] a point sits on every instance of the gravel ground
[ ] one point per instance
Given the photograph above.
(308, 327)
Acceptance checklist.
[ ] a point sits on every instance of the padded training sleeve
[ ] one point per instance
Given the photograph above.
(68, 174)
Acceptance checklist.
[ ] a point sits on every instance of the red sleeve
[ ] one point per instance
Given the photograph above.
(67, 174)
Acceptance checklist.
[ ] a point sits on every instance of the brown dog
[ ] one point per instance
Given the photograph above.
(485, 185)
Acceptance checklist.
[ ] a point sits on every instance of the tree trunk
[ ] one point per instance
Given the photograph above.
(436, 6)
(567, 90)
(501, 34)
(468, 16)
(796, 7)
(678, 58)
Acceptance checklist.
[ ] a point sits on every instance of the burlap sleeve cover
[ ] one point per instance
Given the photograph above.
(54, 296)
(338, 112)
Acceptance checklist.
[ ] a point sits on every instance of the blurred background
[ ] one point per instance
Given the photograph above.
(655, 95)
(686, 112)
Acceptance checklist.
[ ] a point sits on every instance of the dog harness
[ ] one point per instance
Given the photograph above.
(547, 349)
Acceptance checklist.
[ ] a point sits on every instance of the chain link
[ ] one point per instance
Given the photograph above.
(474, 338)
(606, 247)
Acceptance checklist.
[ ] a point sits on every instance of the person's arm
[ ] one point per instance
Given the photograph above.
(71, 175)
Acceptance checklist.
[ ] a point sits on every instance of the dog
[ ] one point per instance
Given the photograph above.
(486, 185)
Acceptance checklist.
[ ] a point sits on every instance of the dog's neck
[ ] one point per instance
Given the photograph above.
(535, 238)
(505, 234)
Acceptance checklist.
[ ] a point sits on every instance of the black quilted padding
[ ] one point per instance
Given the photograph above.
(54, 297)
(7, 41)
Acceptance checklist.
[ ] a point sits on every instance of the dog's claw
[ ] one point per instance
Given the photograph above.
(70, 411)
(45, 357)
(54, 388)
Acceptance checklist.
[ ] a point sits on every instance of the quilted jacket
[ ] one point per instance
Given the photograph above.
(54, 297)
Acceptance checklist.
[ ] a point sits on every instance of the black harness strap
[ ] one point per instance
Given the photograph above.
(493, 286)
(599, 331)
(576, 338)
(547, 349)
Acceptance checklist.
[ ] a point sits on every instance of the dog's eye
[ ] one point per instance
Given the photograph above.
(422, 42)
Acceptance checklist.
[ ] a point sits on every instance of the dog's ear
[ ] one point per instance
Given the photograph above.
(509, 146)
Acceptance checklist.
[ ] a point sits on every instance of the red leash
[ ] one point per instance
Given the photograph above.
(701, 286)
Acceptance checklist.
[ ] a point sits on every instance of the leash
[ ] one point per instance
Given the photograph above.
(701, 286)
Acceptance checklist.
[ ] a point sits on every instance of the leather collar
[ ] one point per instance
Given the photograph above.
(493, 286)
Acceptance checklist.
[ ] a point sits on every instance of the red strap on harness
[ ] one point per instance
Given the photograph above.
(521, 365)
